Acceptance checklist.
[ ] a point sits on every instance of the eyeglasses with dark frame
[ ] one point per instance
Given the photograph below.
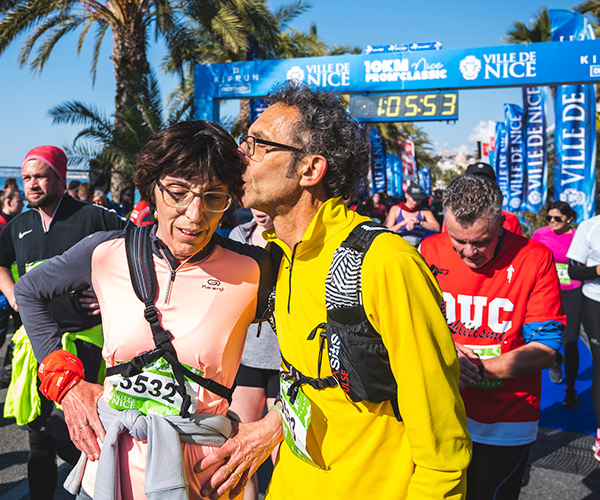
(556, 218)
(178, 196)
(251, 142)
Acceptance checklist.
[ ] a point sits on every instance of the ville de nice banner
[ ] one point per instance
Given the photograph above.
(425, 82)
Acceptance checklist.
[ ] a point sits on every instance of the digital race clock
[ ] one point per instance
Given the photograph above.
(405, 107)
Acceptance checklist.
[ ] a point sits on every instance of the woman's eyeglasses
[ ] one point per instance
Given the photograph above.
(556, 218)
(177, 196)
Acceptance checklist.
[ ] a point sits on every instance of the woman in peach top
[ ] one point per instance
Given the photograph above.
(209, 289)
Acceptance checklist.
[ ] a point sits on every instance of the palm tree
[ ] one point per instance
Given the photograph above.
(538, 32)
(269, 37)
(101, 144)
(591, 7)
(130, 22)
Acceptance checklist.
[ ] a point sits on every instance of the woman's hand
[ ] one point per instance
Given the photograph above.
(241, 456)
(411, 223)
(81, 417)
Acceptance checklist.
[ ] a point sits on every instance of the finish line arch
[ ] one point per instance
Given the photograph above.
(535, 64)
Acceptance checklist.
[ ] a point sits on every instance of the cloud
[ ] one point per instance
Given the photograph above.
(481, 132)
(464, 149)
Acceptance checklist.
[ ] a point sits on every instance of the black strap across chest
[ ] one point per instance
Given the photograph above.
(138, 247)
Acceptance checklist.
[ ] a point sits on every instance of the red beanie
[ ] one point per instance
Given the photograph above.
(52, 156)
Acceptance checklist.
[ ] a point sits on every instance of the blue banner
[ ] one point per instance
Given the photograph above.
(501, 162)
(536, 172)
(378, 162)
(389, 174)
(575, 125)
(398, 175)
(482, 67)
(257, 106)
(394, 175)
(516, 160)
(424, 175)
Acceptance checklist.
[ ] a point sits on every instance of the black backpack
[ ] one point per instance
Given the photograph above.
(358, 358)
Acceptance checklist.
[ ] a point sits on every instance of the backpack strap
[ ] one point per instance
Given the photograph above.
(343, 301)
(343, 291)
(138, 247)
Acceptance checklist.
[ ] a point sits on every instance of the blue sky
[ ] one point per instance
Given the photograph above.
(25, 99)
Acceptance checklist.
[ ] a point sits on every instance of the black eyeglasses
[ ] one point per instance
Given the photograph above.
(555, 217)
(180, 197)
(257, 154)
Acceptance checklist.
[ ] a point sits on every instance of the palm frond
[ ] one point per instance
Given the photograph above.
(45, 49)
(102, 29)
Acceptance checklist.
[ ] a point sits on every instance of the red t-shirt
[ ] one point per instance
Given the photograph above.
(487, 308)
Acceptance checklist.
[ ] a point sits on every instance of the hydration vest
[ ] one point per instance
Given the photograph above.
(138, 247)
(359, 360)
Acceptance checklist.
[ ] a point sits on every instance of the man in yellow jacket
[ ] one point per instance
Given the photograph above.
(304, 154)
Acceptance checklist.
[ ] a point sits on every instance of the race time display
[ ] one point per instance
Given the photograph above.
(406, 106)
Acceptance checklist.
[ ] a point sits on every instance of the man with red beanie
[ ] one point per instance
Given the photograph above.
(54, 224)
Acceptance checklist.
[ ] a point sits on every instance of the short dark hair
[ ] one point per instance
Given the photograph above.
(473, 197)
(325, 128)
(564, 208)
(189, 149)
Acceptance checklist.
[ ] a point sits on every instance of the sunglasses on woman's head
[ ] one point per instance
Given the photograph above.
(555, 217)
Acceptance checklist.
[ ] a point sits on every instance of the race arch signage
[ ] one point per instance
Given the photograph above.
(548, 63)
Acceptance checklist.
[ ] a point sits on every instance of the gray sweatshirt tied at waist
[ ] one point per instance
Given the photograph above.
(165, 471)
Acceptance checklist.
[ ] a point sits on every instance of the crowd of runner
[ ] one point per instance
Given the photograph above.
(395, 345)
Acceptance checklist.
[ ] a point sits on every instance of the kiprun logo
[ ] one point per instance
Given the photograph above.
(295, 73)
(470, 67)
(213, 284)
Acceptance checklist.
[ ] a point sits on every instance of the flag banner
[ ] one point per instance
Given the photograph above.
(389, 174)
(409, 169)
(536, 188)
(398, 176)
(394, 175)
(516, 160)
(488, 142)
(257, 106)
(575, 125)
(424, 175)
(378, 162)
(501, 162)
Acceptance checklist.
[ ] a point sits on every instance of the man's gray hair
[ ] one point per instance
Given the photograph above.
(473, 197)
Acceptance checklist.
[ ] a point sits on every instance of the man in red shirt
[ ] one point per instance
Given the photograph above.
(502, 302)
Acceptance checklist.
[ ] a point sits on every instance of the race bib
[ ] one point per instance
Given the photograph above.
(296, 419)
(487, 352)
(153, 391)
(563, 274)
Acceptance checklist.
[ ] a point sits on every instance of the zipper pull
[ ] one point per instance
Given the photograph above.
(171, 280)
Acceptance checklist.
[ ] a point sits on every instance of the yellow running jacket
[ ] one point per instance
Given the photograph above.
(362, 450)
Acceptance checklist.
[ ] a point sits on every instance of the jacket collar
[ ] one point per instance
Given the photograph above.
(332, 218)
